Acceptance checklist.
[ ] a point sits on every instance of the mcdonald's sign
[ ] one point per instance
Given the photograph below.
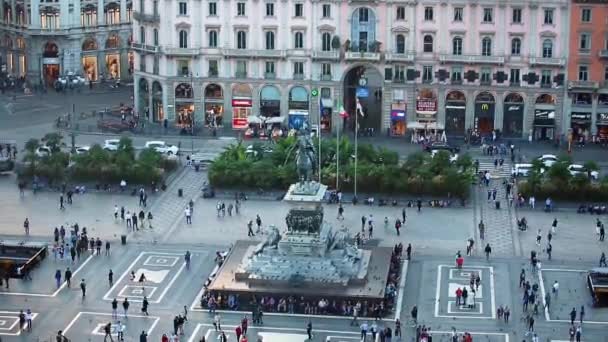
(485, 106)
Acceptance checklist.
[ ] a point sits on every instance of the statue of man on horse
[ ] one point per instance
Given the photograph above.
(306, 154)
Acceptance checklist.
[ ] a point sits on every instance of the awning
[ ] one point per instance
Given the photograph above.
(424, 125)
(254, 119)
(327, 103)
(275, 120)
(426, 113)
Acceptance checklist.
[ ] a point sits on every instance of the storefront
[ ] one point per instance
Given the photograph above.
(426, 110)
(580, 122)
(184, 105)
(50, 63)
(158, 113)
(241, 105)
(513, 116)
(326, 107)
(298, 107)
(455, 112)
(398, 119)
(270, 102)
(143, 97)
(485, 106)
(544, 124)
(602, 127)
(544, 117)
(113, 56)
(214, 106)
(89, 59)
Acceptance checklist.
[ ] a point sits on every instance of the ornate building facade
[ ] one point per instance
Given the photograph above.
(43, 39)
(458, 66)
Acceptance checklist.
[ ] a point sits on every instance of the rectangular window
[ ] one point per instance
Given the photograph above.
(586, 15)
(326, 69)
(583, 73)
(241, 68)
(486, 76)
(183, 8)
(514, 79)
(427, 74)
(299, 10)
(400, 13)
(606, 74)
(156, 65)
(183, 67)
(298, 69)
(428, 13)
(545, 78)
(269, 67)
(270, 9)
(548, 16)
(142, 64)
(488, 15)
(584, 42)
(212, 9)
(240, 9)
(213, 68)
(456, 76)
(458, 13)
(326, 11)
(516, 17)
(399, 73)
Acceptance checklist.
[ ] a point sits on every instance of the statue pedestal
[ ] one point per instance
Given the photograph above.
(305, 192)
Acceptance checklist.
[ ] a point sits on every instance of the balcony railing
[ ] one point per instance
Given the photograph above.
(270, 75)
(240, 74)
(471, 59)
(184, 52)
(407, 57)
(326, 55)
(547, 61)
(298, 53)
(298, 76)
(325, 77)
(363, 56)
(146, 18)
(485, 82)
(144, 48)
(604, 84)
(582, 85)
(213, 73)
(238, 53)
(603, 53)
(270, 53)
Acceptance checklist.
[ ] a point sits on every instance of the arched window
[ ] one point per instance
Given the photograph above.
(212, 39)
(547, 48)
(325, 41)
(241, 40)
(457, 46)
(516, 46)
(142, 35)
(298, 40)
(486, 46)
(269, 40)
(428, 43)
(183, 39)
(400, 43)
(155, 33)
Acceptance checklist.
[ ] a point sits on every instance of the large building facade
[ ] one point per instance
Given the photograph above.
(459, 66)
(587, 101)
(43, 39)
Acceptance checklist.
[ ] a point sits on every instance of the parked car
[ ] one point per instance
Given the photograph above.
(162, 147)
(453, 156)
(111, 144)
(442, 147)
(523, 170)
(43, 151)
(82, 149)
(548, 159)
(577, 169)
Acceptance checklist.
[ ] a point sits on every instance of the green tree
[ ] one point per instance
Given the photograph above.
(559, 173)
(125, 145)
(53, 141)
(590, 166)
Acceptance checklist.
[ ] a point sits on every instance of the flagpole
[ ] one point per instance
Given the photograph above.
(356, 147)
(338, 155)
(319, 133)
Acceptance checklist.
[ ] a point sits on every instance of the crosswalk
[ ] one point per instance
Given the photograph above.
(486, 163)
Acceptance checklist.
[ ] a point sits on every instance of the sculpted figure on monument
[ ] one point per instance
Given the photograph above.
(305, 154)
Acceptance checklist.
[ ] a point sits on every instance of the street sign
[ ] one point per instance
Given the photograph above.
(314, 92)
(362, 92)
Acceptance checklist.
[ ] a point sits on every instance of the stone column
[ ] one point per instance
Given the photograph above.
(533, 29)
(1, 11)
(594, 115)
(469, 117)
(169, 101)
(76, 15)
(13, 12)
(441, 92)
(101, 63)
(123, 11)
(35, 14)
(124, 64)
(412, 35)
(499, 109)
(101, 15)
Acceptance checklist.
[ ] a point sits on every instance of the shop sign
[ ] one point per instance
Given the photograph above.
(484, 110)
(513, 108)
(362, 92)
(580, 117)
(602, 118)
(398, 114)
(543, 117)
(50, 60)
(426, 105)
(314, 92)
(297, 118)
(241, 103)
(298, 105)
(239, 123)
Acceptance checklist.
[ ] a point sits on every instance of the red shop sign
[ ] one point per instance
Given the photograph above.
(241, 103)
(239, 123)
(426, 105)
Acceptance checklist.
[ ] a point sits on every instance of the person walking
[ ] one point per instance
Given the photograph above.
(115, 212)
(108, 248)
(482, 230)
(107, 329)
(258, 222)
(68, 277)
(26, 226)
(554, 226)
(125, 307)
(555, 289)
(114, 309)
(188, 214)
(408, 251)
(547, 301)
(603, 260)
(538, 237)
(111, 278)
(581, 314)
(572, 316)
(340, 212)
(150, 219)
(309, 330)
(61, 207)
(83, 288)
(144, 306)
(187, 259)
(549, 250)
(602, 232)
(58, 278)
(488, 251)
(217, 322)
(403, 214)
(250, 229)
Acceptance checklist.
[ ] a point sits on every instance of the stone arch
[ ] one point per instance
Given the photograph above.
(214, 91)
(242, 90)
(113, 41)
(90, 44)
(455, 95)
(50, 50)
(184, 91)
(545, 99)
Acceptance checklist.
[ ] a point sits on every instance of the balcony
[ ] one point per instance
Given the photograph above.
(270, 75)
(584, 85)
(240, 53)
(240, 74)
(603, 53)
(471, 59)
(298, 76)
(144, 48)
(325, 77)
(362, 56)
(558, 62)
(181, 52)
(298, 53)
(485, 82)
(269, 53)
(326, 55)
(399, 79)
(213, 73)
(146, 18)
(406, 57)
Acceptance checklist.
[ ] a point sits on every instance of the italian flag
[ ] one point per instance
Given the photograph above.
(343, 113)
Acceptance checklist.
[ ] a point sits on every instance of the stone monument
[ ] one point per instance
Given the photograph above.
(309, 257)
